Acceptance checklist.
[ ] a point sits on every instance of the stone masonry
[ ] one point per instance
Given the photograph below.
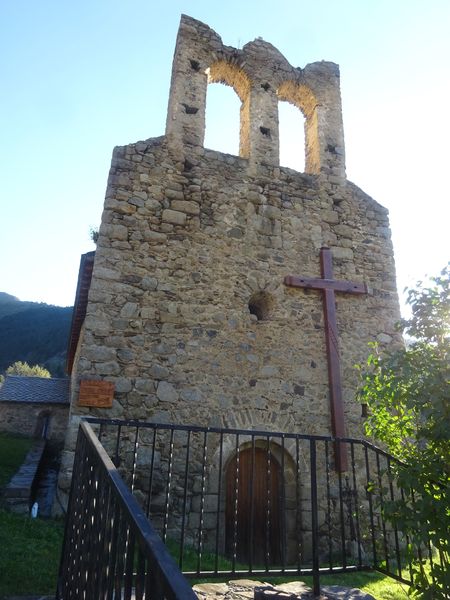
(188, 315)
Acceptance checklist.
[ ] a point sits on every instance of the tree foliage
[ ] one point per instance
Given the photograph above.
(93, 234)
(408, 396)
(25, 370)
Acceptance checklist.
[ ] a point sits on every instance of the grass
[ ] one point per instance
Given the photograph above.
(190, 558)
(29, 548)
(376, 584)
(29, 554)
(13, 449)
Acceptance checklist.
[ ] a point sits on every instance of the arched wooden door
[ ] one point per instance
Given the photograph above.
(253, 502)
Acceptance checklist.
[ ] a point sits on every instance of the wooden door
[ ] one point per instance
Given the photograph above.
(252, 517)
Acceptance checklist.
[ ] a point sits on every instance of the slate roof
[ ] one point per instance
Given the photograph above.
(35, 390)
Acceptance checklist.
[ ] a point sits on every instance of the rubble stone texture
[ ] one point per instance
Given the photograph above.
(188, 314)
(243, 589)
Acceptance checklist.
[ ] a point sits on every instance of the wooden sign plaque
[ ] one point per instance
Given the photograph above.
(98, 394)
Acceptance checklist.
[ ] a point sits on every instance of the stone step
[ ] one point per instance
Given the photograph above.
(244, 589)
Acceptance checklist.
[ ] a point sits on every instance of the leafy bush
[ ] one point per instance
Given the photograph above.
(408, 396)
(25, 370)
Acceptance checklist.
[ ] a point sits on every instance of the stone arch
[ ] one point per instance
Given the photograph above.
(253, 419)
(231, 74)
(305, 100)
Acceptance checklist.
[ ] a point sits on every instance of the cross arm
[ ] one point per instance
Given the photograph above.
(315, 283)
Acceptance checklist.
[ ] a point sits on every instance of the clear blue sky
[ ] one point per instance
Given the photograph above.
(78, 78)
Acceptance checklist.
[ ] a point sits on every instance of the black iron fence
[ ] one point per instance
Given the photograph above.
(110, 549)
(227, 503)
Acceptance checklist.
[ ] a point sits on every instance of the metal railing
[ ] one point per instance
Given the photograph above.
(231, 503)
(110, 549)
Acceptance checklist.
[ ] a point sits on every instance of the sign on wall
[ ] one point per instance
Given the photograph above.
(98, 394)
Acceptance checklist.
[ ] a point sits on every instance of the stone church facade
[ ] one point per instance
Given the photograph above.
(184, 308)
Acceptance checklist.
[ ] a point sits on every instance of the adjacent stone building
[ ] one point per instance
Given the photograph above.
(184, 306)
(35, 406)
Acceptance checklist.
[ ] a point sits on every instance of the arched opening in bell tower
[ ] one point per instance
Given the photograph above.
(302, 98)
(292, 136)
(222, 119)
(229, 74)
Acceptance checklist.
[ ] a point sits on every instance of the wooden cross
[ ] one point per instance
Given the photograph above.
(329, 286)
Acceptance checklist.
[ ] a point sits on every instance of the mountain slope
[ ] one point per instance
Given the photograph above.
(34, 333)
(10, 305)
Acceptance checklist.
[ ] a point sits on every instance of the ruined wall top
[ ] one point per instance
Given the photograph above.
(261, 76)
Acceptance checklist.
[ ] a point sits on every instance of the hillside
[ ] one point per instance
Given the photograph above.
(33, 332)
(10, 305)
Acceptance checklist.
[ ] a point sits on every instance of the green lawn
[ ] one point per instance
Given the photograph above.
(29, 554)
(29, 548)
(13, 449)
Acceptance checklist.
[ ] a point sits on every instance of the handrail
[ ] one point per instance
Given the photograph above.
(250, 432)
(171, 582)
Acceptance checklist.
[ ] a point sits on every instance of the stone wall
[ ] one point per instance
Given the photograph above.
(180, 257)
(28, 419)
(188, 314)
(183, 250)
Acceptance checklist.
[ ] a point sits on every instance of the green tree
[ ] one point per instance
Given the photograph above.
(93, 234)
(25, 370)
(408, 396)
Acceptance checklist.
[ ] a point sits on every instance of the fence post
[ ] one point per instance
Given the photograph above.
(314, 519)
